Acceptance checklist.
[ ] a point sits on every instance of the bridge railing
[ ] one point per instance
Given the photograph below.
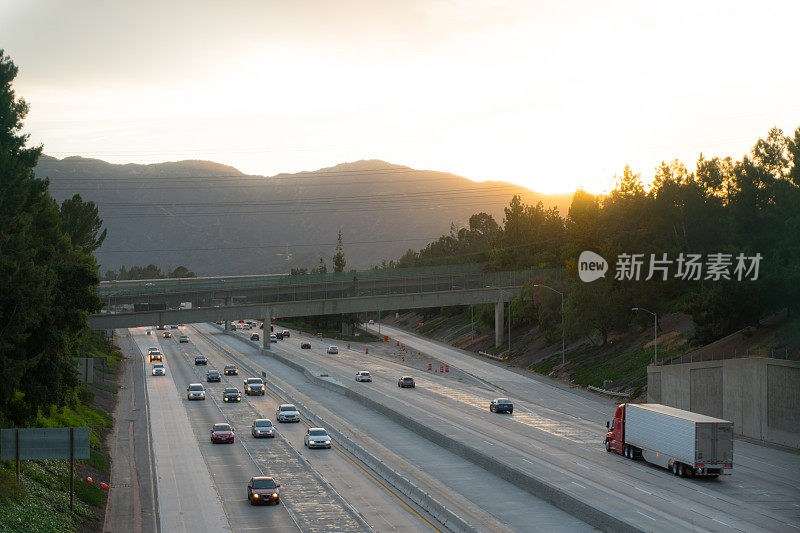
(345, 285)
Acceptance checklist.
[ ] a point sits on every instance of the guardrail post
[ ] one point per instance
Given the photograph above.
(16, 450)
(71, 469)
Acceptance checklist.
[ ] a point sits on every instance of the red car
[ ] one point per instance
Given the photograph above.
(222, 433)
(305, 346)
(262, 489)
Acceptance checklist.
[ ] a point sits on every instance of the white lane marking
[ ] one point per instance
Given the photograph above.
(759, 461)
(581, 464)
(576, 483)
(642, 490)
(721, 522)
(528, 461)
(647, 515)
(487, 442)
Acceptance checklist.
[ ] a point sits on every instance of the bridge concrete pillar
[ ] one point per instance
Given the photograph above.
(499, 308)
(266, 344)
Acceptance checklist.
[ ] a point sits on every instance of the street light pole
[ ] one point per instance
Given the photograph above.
(562, 319)
(472, 321)
(655, 332)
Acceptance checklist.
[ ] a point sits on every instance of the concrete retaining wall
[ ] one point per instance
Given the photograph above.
(760, 396)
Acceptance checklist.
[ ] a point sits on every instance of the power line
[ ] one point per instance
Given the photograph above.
(266, 245)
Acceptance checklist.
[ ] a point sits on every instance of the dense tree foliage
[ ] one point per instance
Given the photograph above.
(48, 275)
(150, 271)
(723, 206)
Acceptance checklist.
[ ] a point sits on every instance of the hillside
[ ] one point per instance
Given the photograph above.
(216, 220)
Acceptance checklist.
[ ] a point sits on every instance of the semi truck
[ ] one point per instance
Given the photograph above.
(689, 444)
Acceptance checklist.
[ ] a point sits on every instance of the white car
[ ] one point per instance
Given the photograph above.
(183, 338)
(196, 391)
(148, 332)
(262, 427)
(363, 375)
(273, 338)
(317, 438)
(287, 413)
(159, 370)
(333, 349)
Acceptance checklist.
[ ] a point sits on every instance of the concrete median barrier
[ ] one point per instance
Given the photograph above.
(436, 509)
(540, 488)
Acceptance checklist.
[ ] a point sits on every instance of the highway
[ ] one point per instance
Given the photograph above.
(202, 486)
(486, 502)
(557, 432)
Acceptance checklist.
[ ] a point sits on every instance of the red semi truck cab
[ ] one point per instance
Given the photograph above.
(615, 438)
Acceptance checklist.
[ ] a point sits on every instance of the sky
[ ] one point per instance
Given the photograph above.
(551, 95)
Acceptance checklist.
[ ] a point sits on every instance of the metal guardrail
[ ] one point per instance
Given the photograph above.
(618, 394)
(492, 356)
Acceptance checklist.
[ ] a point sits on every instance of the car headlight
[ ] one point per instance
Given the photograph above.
(202, 394)
(327, 442)
(255, 495)
(274, 494)
(248, 388)
(238, 397)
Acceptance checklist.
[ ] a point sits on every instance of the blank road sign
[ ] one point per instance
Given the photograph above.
(43, 443)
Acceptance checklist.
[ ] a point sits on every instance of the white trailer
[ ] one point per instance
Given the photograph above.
(686, 443)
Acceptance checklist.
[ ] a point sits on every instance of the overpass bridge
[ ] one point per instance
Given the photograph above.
(149, 302)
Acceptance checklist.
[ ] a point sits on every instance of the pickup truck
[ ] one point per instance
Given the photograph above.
(689, 444)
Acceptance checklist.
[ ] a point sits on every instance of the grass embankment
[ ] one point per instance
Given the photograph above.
(40, 501)
(305, 327)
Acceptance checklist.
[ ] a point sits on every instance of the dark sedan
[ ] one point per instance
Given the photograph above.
(501, 405)
(200, 360)
(305, 346)
(231, 394)
(406, 382)
(213, 375)
(262, 489)
(222, 433)
(231, 370)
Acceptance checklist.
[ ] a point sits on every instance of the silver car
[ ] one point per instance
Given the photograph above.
(262, 427)
(287, 413)
(159, 370)
(195, 391)
(317, 438)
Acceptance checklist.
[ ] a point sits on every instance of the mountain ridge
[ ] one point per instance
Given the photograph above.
(215, 219)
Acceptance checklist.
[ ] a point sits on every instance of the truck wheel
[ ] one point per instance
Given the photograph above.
(608, 446)
(675, 468)
(681, 470)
